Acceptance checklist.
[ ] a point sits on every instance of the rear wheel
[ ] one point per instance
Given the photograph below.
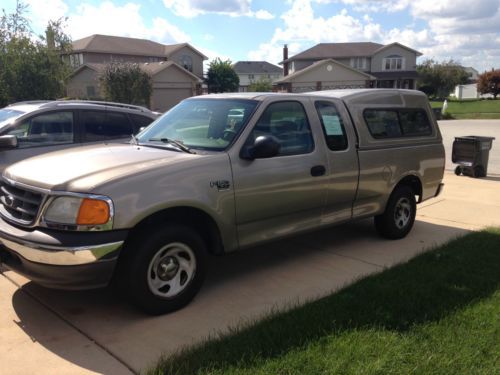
(163, 268)
(458, 170)
(399, 215)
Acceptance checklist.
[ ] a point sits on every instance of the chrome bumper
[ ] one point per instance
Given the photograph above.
(62, 255)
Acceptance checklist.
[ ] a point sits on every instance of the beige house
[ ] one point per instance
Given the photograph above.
(171, 83)
(350, 65)
(176, 70)
(254, 71)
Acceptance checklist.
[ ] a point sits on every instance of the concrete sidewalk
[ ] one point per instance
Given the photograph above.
(51, 331)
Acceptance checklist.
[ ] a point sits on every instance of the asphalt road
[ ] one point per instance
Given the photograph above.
(487, 128)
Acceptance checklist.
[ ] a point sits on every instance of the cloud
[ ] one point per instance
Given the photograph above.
(232, 8)
(105, 18)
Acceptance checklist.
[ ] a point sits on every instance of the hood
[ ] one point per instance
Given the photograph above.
(83, 168)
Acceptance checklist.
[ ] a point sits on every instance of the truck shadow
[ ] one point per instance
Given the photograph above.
(240, 287)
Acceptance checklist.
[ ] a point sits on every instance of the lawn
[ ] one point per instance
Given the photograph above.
(472, 109)
(439, 313)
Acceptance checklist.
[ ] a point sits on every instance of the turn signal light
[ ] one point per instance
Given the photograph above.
(93, 212)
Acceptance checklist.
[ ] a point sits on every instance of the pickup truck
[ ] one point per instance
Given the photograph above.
(215, 174)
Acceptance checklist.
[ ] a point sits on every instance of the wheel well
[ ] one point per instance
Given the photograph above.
(195, 218)
(414, 183)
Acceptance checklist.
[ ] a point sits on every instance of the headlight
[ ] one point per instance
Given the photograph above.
(79, 211)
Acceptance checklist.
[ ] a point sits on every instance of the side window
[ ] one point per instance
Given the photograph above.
(140, 121)
(287, 122)
(45, 130)
(102, 126)
(415, 123)
(333, 128)
(382, 123)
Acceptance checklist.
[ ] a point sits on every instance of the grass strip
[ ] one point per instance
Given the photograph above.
(438, 313)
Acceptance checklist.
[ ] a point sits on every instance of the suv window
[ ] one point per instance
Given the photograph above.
(333, 127)
(287, 122)
(102, 126)
(45, 130)
(140, 121)
(390, 123)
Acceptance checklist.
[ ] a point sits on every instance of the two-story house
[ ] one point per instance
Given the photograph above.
(350, 65)
(254, 71)
(176, 70)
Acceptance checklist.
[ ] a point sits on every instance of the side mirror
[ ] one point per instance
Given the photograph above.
(8, 142)
(265, 146)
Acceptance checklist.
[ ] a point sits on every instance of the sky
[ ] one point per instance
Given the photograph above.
(467, 31)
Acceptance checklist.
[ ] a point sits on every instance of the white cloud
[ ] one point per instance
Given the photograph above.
(44, 11)
(106, 18)
(232, 8)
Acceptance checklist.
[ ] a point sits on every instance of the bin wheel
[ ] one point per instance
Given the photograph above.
(458, 170)
(479, 171)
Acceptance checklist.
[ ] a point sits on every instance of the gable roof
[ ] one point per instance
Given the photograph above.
(245, 67)
(151, 68)
(399, 45)
(120, 45)
(317, 65)
(337, 50)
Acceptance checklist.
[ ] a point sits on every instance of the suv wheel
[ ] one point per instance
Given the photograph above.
(399, 215)
(164, 268)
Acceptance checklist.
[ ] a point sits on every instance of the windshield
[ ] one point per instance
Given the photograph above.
(7, 115)
(209, 124)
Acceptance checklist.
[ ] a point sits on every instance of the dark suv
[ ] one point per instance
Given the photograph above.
(36, 127)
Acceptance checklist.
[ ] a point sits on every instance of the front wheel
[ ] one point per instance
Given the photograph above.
(399, 215)
(164, 268)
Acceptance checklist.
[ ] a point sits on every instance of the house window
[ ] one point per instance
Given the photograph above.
(90, 92)
(393, 62)
(251, 76)
(358, 63)
(76, 59)
(187, 62)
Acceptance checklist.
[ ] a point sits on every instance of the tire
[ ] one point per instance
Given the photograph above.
(399, 215)
(458, 170)
(163, 268)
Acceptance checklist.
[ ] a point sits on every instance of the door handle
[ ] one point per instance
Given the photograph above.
(318, 170)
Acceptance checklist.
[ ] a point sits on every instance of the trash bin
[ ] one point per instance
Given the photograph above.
(471, 153)
(437, 113)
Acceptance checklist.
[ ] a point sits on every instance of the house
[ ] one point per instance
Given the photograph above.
(171, 83)
(255, 71)
(89, 55)
(349, 65)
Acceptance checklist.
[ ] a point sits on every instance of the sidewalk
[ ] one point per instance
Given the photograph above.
(47, 331)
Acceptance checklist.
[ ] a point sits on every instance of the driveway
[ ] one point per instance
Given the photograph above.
(488, 128)
(47, 331)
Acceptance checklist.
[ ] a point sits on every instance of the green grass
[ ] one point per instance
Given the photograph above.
(472, 109)
(439, 313)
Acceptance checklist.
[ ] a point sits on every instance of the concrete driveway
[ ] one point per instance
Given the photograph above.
(457, 128)
(47, 331)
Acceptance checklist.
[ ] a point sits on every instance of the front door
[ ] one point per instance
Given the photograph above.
(285, 194)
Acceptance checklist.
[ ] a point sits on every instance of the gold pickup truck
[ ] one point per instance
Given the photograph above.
(215, 174)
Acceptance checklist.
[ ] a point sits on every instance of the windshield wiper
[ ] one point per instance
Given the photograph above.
(178, 144)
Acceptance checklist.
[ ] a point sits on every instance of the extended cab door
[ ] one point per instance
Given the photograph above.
(286, 193)
(342, 159)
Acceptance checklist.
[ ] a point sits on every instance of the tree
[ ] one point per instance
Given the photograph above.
(439, 79)
(126, 83)
(29, 68)
(489, 83)
(262, 85)
(221, 77)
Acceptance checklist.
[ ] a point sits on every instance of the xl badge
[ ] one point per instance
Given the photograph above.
(220, 184)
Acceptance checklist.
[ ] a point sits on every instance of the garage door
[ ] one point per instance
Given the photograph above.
(165, 98)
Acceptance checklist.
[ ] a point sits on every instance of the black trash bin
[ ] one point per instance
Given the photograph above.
(471, 153)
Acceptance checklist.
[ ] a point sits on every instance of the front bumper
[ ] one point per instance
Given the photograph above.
(58, 259)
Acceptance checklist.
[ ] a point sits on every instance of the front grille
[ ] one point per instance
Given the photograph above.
(18, 204)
